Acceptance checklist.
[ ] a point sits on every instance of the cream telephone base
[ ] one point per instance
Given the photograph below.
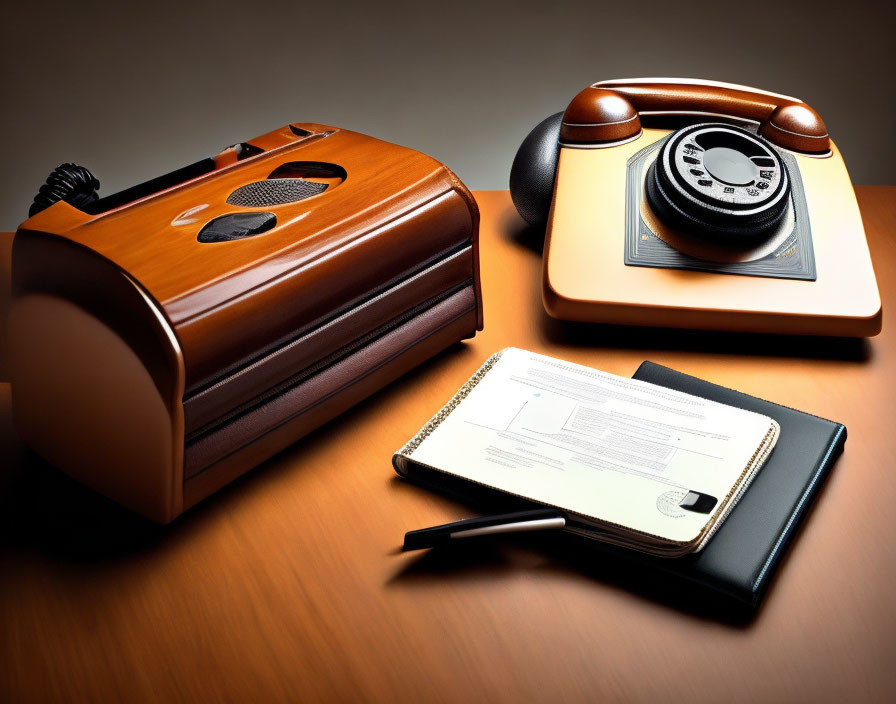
(685, 203)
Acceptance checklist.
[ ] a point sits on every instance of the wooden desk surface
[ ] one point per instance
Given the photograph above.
(285, 587)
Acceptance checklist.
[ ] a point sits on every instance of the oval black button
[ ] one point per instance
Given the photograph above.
(236, 226)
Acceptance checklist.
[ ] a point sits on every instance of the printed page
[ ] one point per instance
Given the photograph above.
(607, 447)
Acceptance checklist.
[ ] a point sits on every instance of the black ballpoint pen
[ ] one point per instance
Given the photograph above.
(537, 519)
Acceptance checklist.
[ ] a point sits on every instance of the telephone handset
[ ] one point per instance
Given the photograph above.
(721, 181)
(608, 113)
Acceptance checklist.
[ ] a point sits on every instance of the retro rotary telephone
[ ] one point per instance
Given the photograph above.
(690, 203)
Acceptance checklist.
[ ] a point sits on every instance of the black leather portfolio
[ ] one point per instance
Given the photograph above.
(742, 555)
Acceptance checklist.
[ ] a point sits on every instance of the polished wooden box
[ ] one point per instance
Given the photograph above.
(160, 348)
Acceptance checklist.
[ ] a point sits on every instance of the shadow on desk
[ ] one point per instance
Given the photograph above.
(596, 335)
(592, 335)
(47, 512)
(562, 554)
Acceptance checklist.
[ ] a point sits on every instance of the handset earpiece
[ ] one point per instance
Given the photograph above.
(534, 170)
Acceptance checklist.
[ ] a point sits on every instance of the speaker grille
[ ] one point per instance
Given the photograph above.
(274, 191)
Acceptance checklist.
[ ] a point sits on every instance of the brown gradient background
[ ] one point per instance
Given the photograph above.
(135, 90)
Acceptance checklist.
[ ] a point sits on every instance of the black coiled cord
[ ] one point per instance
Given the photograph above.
(69, 182)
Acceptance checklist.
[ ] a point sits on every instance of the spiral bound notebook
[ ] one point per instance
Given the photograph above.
(628, 462)
(741, 540)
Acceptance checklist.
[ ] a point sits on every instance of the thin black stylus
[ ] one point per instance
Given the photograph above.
(537, 519)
